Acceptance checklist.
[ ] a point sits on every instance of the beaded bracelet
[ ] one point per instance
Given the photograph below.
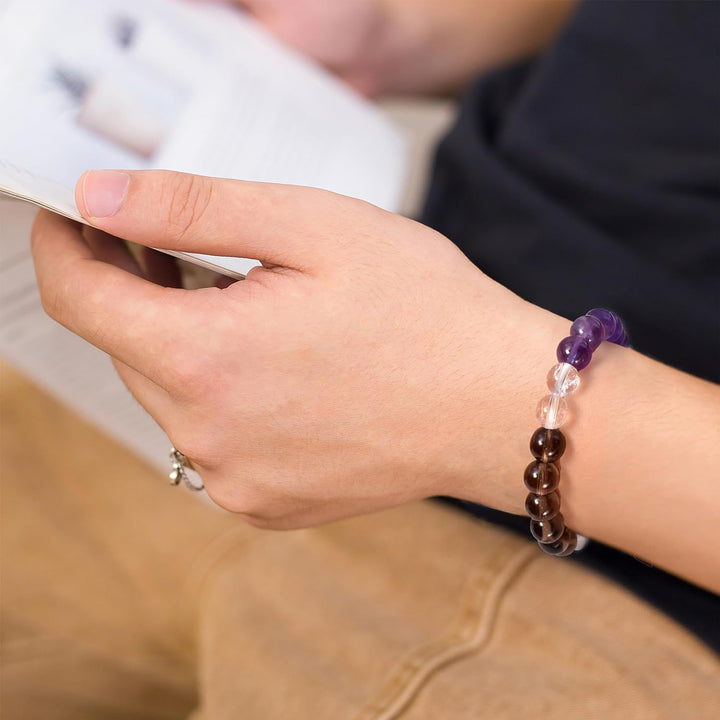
(542, 476)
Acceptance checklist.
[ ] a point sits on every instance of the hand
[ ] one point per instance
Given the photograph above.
(369, 363)
(411, 46)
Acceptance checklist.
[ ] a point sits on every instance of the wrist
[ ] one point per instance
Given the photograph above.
(643, 444)
(509, 351)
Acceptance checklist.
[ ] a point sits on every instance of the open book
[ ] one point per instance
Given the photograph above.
(141, 84)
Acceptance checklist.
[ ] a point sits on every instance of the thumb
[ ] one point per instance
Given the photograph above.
(276, 224)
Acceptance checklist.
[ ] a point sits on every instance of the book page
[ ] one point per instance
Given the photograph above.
(17, 182)
(141, 84)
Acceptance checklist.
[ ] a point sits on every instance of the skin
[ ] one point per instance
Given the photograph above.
(411, 46)
(368, 364)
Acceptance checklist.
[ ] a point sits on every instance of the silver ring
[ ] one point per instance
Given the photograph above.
(178, 472)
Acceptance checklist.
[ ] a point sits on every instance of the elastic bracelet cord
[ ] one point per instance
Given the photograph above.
(547, 444)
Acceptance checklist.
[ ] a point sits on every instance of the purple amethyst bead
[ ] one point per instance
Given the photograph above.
(590, 328)
(575, 350)
(619, 335)
(623, 340)
(611, 322)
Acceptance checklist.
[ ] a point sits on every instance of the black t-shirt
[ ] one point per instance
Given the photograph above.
(590, 177)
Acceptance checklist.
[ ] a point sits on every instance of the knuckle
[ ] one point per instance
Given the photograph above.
(227, 497)
(188, 200)
(51, 301)
(253, 504)
(201, 447)
(54, 299)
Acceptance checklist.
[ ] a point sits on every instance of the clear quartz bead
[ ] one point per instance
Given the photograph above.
(552, 411)
(563, 379)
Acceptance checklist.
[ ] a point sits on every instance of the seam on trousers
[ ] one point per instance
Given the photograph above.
(210, 560)
(471, 633)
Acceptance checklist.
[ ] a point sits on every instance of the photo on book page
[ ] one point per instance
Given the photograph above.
(143, 84)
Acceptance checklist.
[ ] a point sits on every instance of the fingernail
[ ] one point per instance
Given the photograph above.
(104, 192)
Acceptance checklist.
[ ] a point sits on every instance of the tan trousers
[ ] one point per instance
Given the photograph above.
(125, 598)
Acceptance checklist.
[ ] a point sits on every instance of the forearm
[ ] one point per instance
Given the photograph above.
(641, 467)
(643, 471)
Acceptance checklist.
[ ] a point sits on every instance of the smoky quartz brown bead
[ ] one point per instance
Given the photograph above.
(547, 445)
(541, 478)
(562, 547)
(542, 507)
(549, 531)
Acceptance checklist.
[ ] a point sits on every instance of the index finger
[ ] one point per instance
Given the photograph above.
(131, 319)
